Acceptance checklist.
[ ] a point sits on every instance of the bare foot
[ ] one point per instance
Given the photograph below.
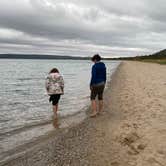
(92, 115)
(101, 112)
(55, 123)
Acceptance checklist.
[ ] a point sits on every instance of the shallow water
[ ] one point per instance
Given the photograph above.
(25, 112)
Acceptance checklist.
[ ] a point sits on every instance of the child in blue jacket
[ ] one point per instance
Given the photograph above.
(97, 84)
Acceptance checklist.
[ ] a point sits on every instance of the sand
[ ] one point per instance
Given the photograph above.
(131, 132)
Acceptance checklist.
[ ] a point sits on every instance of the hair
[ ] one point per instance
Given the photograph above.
(96, 57)
(54, 70)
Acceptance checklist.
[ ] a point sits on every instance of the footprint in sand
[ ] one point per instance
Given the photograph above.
(130, 138)
(141, 146)
(154, 161)
(115, 163)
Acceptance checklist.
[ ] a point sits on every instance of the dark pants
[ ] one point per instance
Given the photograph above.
(97, 90)
(54, 99)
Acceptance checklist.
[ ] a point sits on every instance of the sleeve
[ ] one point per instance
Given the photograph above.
(93, 76)
(105, 74)
(47, 83)
(61, 82)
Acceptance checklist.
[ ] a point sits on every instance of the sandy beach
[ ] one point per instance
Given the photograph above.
(131, 132)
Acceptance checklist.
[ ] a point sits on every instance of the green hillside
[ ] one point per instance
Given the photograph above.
(159, 57)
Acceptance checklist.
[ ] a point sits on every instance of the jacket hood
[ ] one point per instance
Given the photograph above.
(54, 75)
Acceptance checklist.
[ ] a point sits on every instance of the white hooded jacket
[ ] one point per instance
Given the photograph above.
(54, 84)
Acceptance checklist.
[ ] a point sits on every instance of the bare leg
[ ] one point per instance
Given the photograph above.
(94, 108)
(100, 106)
(55, 110)
(55, 120)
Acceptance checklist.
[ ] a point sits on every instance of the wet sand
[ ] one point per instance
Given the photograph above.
(132, 132)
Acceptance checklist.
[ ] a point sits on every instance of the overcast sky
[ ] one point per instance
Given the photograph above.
(83, 27)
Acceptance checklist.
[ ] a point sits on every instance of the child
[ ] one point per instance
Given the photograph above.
(97, 84)
(55, 88)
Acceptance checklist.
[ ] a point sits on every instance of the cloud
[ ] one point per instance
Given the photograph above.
(82, 27)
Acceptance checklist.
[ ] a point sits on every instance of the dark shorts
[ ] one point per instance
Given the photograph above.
(97, 90)
(54, 99)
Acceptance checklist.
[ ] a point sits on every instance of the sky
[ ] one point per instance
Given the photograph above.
(112, 28)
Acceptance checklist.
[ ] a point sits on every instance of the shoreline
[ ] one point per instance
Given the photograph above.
(131, 132)
(67, 122)
(22, 152)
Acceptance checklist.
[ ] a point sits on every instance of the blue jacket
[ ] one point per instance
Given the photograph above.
(98, 73)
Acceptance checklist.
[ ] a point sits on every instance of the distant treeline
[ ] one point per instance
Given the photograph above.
(36, 56)
(159, 55)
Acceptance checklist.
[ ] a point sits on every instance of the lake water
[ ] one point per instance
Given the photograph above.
(24, 108)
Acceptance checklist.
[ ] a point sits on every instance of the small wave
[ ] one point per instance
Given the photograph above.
(15, 103)
(25, 79)
(4, 120)
(19, 91)
(31, 78)
(24, 128)
(85, 97)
